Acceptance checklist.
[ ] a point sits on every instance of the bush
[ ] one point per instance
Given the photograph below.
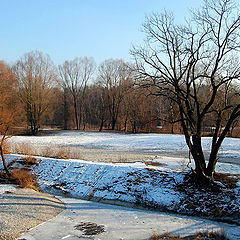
(25, 179)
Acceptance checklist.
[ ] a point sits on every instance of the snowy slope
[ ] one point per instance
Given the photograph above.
(158, 187)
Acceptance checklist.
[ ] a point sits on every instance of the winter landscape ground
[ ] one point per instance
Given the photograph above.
(137, 170)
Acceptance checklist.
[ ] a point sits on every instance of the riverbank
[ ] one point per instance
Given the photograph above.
(157, 185)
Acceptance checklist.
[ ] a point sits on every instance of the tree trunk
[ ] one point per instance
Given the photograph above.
(65, 111)
(101, 126)
(125, 125)
(212, 162)
(113, 123)
(197, 151)
(76, 114)
(4, 160)
(134, 127)
(172, 128)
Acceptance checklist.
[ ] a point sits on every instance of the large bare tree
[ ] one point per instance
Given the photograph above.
(36, 76)
(75, 75)
(192, 65)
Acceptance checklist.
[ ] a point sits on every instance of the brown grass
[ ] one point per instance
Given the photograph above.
(6, 147)
(29, 161)
(165, 236)
(54, 152)
(208, 235)
(25, 179)
(153, 163)
(24, 148)
(63, 153)
(6, 237)
(226, 179)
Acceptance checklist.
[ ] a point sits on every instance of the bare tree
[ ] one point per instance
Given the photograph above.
(8, 110)
(179, 62)
(75, 75)
(98, 105)
(36, 74)
(113, 75)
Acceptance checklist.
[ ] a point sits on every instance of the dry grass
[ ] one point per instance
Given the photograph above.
(54, 152)
(23, 148)
(208, 235)
(226, 179)
(63, 153)
(29, 161)
(150, 163)
(6, 147)
(6, 237)
(165, 236)
(25, 179)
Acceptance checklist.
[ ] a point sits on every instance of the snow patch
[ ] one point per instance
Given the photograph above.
(7, 188)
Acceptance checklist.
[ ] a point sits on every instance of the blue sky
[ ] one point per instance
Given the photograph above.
(66, 29)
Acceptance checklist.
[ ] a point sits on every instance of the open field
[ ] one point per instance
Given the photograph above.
(115, 147)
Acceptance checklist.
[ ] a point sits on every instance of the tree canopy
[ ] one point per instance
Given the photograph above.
(195, 65)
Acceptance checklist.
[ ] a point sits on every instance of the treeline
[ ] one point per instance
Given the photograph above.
(77, 95)
(80, 95)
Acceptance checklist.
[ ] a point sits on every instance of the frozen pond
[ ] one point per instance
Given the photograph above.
(146, 144)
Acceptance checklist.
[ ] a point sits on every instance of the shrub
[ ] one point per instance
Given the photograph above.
(25, 179)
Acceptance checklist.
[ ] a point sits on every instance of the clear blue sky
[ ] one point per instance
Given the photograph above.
(69, 28)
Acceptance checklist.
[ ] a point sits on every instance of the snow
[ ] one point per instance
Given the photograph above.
(154, 143)
(151, 183)
(125, 183)
(121, 223)
(7, 188)
(137, 184)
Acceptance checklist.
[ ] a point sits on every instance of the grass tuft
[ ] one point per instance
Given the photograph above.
(226, 179)
(25, 179)
(151, 163)
(29, 161)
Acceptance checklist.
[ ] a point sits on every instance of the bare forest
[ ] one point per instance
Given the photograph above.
(80, 95)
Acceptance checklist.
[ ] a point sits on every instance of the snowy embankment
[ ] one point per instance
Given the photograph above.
(159, 187)
(131, 183)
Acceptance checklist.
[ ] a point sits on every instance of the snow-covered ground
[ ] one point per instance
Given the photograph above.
(161, 187)
(121, 223)
(156, 144)
(158, 182)
(7, 188)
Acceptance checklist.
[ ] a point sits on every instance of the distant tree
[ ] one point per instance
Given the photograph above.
(36, 75)
(98, 105)
(178, 62)
(113, 76)
(75, 75)
(8, 110)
